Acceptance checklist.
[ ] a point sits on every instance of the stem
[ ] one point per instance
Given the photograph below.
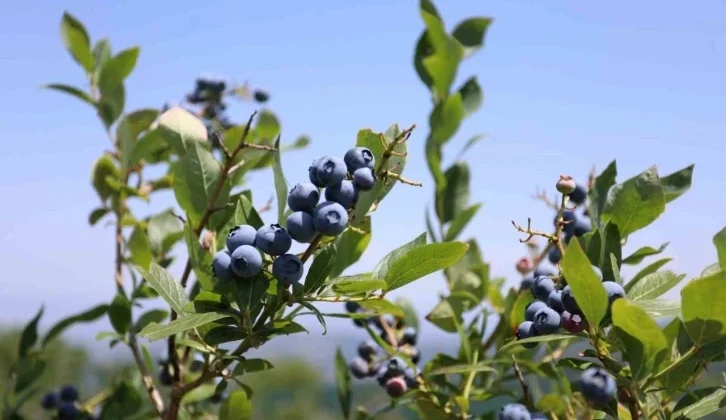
(470, 378)
(523, 384)
(154, 396)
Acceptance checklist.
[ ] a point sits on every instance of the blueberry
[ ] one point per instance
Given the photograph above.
(196, 366)
(566, 185)
(364, 179)
(68, 393)
(367, 350)
(555, 255)
(547, 321)
(527, 330)
(67, 410)
(410, 379)
(313, 174)
(241, 235)
(554, 300)
(246, 261)
(165, 377)
(572, 323)
(359, 157)
(579, 195)
(330, 171)
(50, 401)
(343, 193)
(300, 226)
(273, 240)
(597, 385)
(303, 197)
(330, 218)
(532, 309)
(538, 416)
(359, 368)
(543, 271)
(261, 96)
(526, 283)
(582, 226)
(542, 287)
(287, 269)
(514, 412)
(415, 355)
(615, 291)
(352, 307)
(409, 336)
(396, 367)
(396, 386)
(568, 301)
(568, 218)
(383, 376)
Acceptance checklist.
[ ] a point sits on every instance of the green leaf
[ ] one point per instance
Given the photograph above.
(123, 403)
(119, 313)
(469, 144)
(29, 335)
(677, 183)
(245, 213)
(148, 146)
(349, 247)
(599, 192)
(101, 54)
(196, 182)
(115, 70)
(700, 403)
(704, 307)
(611, 247)
(166, 286)
(186, 322)
(538, 339)
(200, 393)
(446, 118)
(650, 269)
(358, 286)
(97, 214)
(654, 285)
(454, 200)
(102, 170)
(199, 258)
(381, 307)
(86, 316)
(343, 382)
(711, 269)
(251, 366)
(318, 315)
(251, 292)
(76, 40)
(160, 226)
(646, 251)
(140, 248)
(471, 96)
(442, 64)
(586, 286)
(73, 91)
(224, 334)
(516, 314)
(280, 182)
(410, 317)
(459, 369)
(719, 240)
(424, 260)
(320, 269)
(112, 104)
(446, 314)
(381, 269)
(645, 344)
(236, 407)
(470, 33)
(660, 308)
(182, 130)
(27, 371)
(460, 221)
(636, 203)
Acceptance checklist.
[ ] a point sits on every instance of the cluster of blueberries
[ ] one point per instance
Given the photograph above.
(63, 402)
(574, 225)
(392, 373)
(242, 258)
(517, 411)
(554, 308)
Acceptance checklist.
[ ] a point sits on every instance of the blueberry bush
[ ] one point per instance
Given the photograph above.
(575, 340)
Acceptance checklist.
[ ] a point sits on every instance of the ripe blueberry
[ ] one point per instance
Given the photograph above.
(572, 323)
(364, 179)
(273, 240)
(359, 368)
(542, 287)
(568, 301)
(241, 235)
(582, 226)
(554, 300)
(366, 350)
(526, 283)
(614, 290)
(555, 255)
(300, 226)
(343, 193)
(579, 195)
(565, 185)
(358, 157)
(67, 410)
(50, 401)
(261, 96)
(352, 307)
(165, 377)
(330, 171)
(303, 197)
(68, 393)
(544, 271)
(532, 309)
(409, 336)
(383, 376)
(287, 269)
(396, 386)
(415, 355)
(546, 321)
(246, 261)
(330, 218)
(527, 330)
(597, 385)
(396, 367)
(410, 379)
(196, 366)
(313, 174)
(514, 412)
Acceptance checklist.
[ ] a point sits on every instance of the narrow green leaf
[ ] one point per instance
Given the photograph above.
(236, 407)
(650, 269)
(119, 313)
(636, 203)
(115, 70)
(97, 214)
(704, 307)
(140, 248)
(155, 331)
(224, 334)
(460, 222)
(381, 307)
(358, 286)
(343, 382)
(616, 274)
(660, 308)
(654, 285)
(538, 339)
(381, 269)
(318, 315)
(469, 144)
(645, 344)
(460, 369)
(29, 335)
(599, 192)
(166, 286)
(470, 33)
(424, 260)
(86, 316)
(677, 183)
(719, 240)
(430, 227)
(454, 200)
(586, 286)
(611, 246)
(27, 371)
(76, 40)
(182, 129)
(320, 269)
(251, 366)
(646, 251)
(280, 182)
(700, 403)
(73, 91)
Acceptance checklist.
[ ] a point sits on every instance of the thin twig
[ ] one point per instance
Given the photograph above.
(267, 206)
(542, 195)
(154, 396)
(523, 384)
(401, 179)
(531, 232)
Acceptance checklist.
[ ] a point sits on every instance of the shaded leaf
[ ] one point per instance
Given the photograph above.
(320, 269)
(719, 240)
(97, 214)
(350, 246)
(677, 183)
(471, 96)
(645, 344)
(29, 335)
(460, 221)
(123, 403)
(381, 307)
(119, 313)
(153, 315)
(470, 33)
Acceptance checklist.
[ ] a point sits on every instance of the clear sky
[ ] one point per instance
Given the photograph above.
(568, 84)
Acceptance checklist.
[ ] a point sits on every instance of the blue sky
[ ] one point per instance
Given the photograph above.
(567, 85)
